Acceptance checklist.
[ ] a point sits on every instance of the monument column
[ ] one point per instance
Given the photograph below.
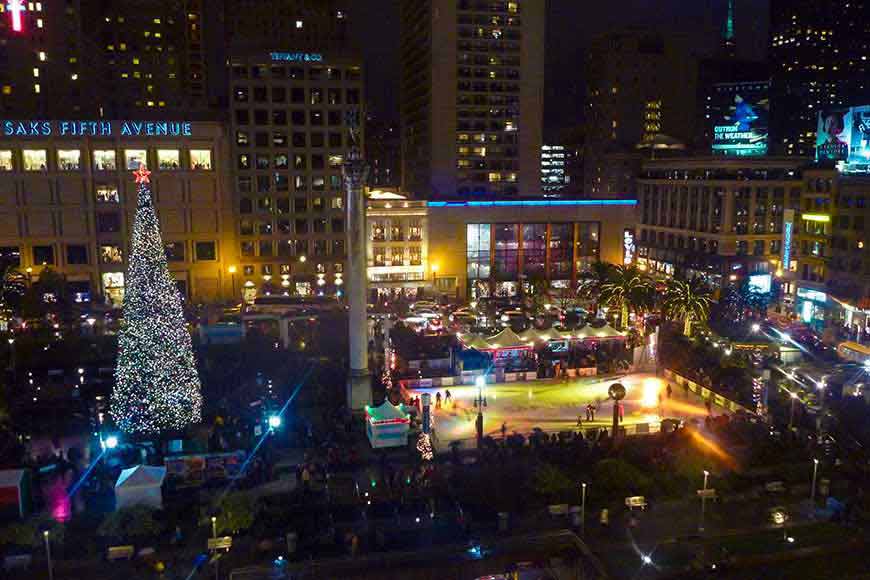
(355, 171)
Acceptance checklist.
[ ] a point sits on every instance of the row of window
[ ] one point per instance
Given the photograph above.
(280, 94)
(78, 254)
(285, 269)
(287, 227)
(311, 73)
(300, 161)
(283, 205)
(291, 248)
(281, 182)
(104, 159)
(293, 117)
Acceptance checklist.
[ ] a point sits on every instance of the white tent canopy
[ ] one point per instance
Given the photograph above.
(140, 485)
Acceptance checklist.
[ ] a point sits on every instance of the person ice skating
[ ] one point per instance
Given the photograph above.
(580, 420)
(438, 400)
(504, 430)
(447, 397)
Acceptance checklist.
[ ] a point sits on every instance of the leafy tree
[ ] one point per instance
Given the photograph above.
(236, 512)
(628, 289)
(755, 301)
(29, 533)
(620, 478)
(47, 296)
(593, 280)
(129, 524)
(687, 300)
(552, 483)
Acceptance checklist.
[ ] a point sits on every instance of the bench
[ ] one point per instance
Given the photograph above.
(636, 501)
(120, 553)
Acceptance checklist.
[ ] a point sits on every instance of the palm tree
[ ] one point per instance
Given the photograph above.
(627, 289)
(687, 300)
(592, 280)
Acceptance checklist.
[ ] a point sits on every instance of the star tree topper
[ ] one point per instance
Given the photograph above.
(142, 174)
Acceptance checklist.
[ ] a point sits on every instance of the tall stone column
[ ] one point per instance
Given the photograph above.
(359, 387)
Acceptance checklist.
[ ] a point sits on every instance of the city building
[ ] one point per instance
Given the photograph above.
(303, 24)
(87, 59)
(819, 60)
(554, 168)
(833, 264)
(398, 246)
(288, 139)
(641, 87)
(720, 217)
(472, 76)
(484, 248)
(68, 198)
(383, 153)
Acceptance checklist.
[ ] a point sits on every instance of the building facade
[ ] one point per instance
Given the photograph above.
(721, 218)
(97, 59)
(289, 137)
(398, 247)
(483, 248)
(68, 201)
(555, 161)
(641, 85)
(819, 59)
(472, 96)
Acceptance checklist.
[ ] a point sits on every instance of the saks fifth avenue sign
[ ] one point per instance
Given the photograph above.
(97, 128)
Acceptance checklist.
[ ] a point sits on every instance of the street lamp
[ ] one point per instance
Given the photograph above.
(756, 327)
(480, 403)
(274, 421)
(48, 554)
(110, 442)
(813, 490)
(434, 277)
(583, 509)
(704, 500)
(214, 526)
(794, 397)
(232, 271)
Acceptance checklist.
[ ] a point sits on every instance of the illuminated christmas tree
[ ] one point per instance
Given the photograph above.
(156, 383)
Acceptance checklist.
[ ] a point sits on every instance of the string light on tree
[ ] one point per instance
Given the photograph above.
(157, 387)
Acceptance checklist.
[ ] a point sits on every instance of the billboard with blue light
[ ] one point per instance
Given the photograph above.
(843, 135)
(739, 114)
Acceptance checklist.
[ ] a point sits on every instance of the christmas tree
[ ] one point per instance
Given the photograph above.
(156, 383)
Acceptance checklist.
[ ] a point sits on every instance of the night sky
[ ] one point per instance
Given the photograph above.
(571, 24)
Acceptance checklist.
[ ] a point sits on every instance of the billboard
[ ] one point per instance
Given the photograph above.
(843, 135)
(739, 113)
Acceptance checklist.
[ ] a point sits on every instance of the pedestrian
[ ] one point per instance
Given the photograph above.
(669, 390)
(580, 420)
(504, 431)
(621, 408)
(438, 400)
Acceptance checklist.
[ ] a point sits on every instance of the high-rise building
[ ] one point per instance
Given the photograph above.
(103, 58)
(554, 168)
(301, 24)
(472, 96)
(383, 153)
(289, 137)
(819, 58)
(641, 88)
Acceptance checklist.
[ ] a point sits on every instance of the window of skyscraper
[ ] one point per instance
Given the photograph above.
(69, 159)
(5, 160)
(168, 159)
(200, 159)
(134, 158)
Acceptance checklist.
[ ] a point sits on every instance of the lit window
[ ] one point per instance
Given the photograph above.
(7, 89)
(200, 159)
(34, 159)
(74, 76)
(168, 159)
(298, 24)
(6, 160)
(104, 160)
(35, 73)
(42, 56)
(69, 159)
(111, 254)
(39, 22)
(107, 193)
(134, 158)
(36, 88)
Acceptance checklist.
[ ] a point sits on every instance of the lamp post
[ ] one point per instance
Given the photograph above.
(480, 403)
(617, 393)
(232, 270)
(813, 490)
(434, 268)
(214, 526)
(11, 354)
(48, 554)
(704, 500)
(794, 397)
(583, 509)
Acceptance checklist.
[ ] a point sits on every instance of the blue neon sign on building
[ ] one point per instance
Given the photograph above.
(296, 56)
